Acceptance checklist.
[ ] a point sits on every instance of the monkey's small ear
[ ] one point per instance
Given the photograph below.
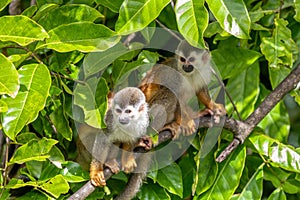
(142, 107)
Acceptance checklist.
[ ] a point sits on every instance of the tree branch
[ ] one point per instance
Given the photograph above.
(240, 129)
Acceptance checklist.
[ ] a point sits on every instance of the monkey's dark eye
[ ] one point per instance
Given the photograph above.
(191, 59)
(118, 110)
(182, 59)
(127, 111)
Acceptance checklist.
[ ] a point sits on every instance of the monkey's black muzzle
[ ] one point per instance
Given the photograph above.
(188, 68)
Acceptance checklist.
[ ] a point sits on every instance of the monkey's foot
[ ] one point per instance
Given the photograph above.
(188, 128)
(113, 165)
(145, 142)
(174, 128)
(205, 112)
(219, 110)
(129, 165)
(97, 178)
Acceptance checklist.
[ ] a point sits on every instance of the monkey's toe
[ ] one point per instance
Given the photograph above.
(145, 142)
(129, 166)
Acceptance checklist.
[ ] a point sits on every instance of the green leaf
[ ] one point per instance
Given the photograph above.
(74, 173)
(277, 123)
(112, 5)
(192, 20)
(228, 177)
(297, 9)
(278, 74)
(280, 49)
(97, 61)
(60, 122)
(187, 166)
(207, 170)
(254, 188)
(93, 106)
(231, 61)
(9, 81)
(279, 155)
(56, 186)
(277, 194)
(56, 157)
(153, 192)
(33, 150)
(170, 178)
(70, 37)
(232, 16)
(4, 3)
(3, 106)
(35, 84)
(21, 29)
(245, 90)
(137, 14)
(68, 14)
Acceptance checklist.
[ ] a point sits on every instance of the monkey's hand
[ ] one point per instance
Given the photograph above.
(96, 174)
(128, 161)
(216, 111)
(145, 142)
(113, 165)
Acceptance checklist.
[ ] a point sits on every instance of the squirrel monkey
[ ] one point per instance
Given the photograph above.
(127, 120)
(168, 87)
(174, 82)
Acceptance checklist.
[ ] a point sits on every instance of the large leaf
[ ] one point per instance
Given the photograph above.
(68, 14)
(278, 74)
(254, 187)
(35, 84)
(232, 16)
(170, 178)
(70, 37)
(137, 14)
(56, 186)
(280, 49)
(231, 61)
(279, 155)
(228, 177)
(4, 3)
(21, 29)
(277, 194)
(33, 150)
(153, 192)
(9, 81)
(192, 20)
(245, 90)
(97, 61)
(93, 106)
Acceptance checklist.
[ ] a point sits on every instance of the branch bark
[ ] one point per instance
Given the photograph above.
(240, 129)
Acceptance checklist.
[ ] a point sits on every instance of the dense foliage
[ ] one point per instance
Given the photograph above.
(55, 45)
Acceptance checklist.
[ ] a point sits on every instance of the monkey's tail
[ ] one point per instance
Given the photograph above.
(136, 180)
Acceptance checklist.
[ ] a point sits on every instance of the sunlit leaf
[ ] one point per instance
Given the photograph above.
(97, 61)
(21, 29)
(24, 108)
(70, 37)
(9, 81)
(278, 74)
(68, 14)
(279, 155)
(192, 20)
(170, 177)
(228, 177)
(33, 150)
(232, 16)
(74, 173)
(61, 186)
(61, 123)
(280, 49)
(297, 9)
(137, 14)
(94, 107)
(3, 106)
